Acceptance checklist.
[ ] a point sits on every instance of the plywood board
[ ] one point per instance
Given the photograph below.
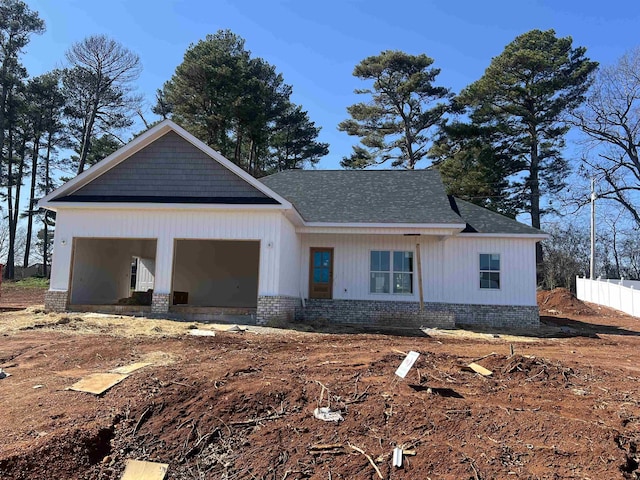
(131, 368)
(98, 383)
(139, 470)
(480, 369)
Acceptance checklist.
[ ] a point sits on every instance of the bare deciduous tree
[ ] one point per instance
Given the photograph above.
(610, 118)
(99, 90)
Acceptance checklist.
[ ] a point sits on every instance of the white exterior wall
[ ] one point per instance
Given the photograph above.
(167, 225)
(351, 263)
(289, 259)
(450, 267)
(517, 271)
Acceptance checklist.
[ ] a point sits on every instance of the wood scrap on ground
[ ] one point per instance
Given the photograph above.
(98, 383)
(480, 369)
(373, 464)
(139, 470)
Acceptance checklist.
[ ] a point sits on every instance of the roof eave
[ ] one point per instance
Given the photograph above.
(56, 206)
(535, 236)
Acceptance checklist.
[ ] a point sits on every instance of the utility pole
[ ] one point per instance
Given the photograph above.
(593, 229)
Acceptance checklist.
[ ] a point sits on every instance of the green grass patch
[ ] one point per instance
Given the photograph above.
(31, 282)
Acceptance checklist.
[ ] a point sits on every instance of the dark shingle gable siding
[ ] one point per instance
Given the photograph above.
(169, 167)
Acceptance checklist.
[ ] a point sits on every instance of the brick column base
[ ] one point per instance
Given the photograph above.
(160, 303)
(56, 300)
(279, 308)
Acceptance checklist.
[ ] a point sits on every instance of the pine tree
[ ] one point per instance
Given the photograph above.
(404, 107)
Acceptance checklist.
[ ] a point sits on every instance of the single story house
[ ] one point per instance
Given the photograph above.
(379, 247)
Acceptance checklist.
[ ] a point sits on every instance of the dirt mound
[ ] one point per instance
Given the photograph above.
(562, 301)
(241, 405)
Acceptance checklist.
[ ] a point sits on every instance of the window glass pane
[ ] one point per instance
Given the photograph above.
(490, 280)
(385, 264)
(375, 261)
(317, 259)
(403, 261)
(402, 283)
(325, 259)
(485, 261)
(324, 275)
(379, 283)
(397, 261)
(495, 262)
(380, 261)
(316, 275)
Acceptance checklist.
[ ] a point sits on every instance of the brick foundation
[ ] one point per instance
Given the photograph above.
(279, 308)
(56, 300)
(160, 303)
(407, 314)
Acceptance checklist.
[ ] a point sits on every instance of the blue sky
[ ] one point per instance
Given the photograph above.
(315, 45)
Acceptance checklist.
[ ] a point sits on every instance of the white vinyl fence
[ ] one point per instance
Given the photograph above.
(622, 295)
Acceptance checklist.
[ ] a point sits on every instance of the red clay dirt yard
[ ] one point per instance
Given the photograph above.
(561, 403)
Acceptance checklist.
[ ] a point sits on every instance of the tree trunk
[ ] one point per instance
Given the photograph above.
(238, 151)
(16, 202)
(534, 185)
(3, 105)
(45, 217)
(251, 168)
(9, 270)
(88, 131)
(86, 144)
(32, 199)
(45, 246)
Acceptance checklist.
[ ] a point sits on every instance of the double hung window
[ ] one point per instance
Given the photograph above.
(391, 272)
(490, 270)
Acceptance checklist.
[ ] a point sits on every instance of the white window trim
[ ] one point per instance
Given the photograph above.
(499, 273)
(391, 271)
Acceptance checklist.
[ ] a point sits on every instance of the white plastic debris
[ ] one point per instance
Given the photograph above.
(397, 457)
(202, 333)
(4, 374)
(327, 415)
(406, 364)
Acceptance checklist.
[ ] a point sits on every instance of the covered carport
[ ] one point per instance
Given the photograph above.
(101, 268)
(216, 273)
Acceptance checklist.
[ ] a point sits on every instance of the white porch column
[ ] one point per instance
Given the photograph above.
(163, 278)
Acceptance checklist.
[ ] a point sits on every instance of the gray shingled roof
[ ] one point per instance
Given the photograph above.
(482, 220)
(365, 196)
(384, 196)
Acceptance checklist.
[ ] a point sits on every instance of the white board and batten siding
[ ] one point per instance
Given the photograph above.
(289, 259)
(450, 267)
(167, 225)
